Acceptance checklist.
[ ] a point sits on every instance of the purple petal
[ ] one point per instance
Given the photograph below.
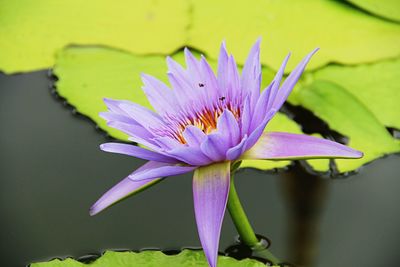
(166, 142)
(210, 82)
(227, 135)
(234, 92)
(260, 110)
(255, 135)
(291, 81)
(191, 155)
(184, 93)
(236, 151)
(160, 169)
(116, 113)
(110, 116)
(122, 190)
(159, 95)
(222, 75)
(193, 66)
(193, 136)
(277, 82)
(180, 84)
(131, 129)
(210, 194)
(145, 117)
(215, 147)
(185, 82)
(274, 145)
(136, 134)
(264, 103)
(136, 151)
(246, 117)
(177, 70)
(227, 126)
(114, 105)
(251, 74)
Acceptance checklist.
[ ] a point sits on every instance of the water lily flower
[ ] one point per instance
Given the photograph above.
(205, 124)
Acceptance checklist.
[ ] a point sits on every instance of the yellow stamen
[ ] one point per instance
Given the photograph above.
(205, 121)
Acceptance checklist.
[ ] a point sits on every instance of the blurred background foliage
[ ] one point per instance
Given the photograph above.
(99, 49)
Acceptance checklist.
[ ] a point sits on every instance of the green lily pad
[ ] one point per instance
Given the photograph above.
(344, 34)
(376, 86)
(89, 74)
(389, 9)
(32, 31)
(150, 259)
(346, 114)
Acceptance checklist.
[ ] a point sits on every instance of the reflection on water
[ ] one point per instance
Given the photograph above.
(306, 196)
(51, 172)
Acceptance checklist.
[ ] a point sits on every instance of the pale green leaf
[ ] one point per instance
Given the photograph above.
(376, 86)
(343, 33)
(87, 75)
(389, 9)
(32, 31)
(347, 115)
(187, 258)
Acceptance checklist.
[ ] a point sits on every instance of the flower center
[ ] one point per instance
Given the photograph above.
(205, 121)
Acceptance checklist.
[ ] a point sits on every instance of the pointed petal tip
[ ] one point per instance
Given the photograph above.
(223, 47)
(170, 63)
(187, 51)
(257, 44)
(315, 50)
(143, 75)
(103, 115)
(147, 78)
(111, 123)
(188, 54)
(158, 170)
(357, 154)
(347, 152)
(96, 208)
(108, 100)
(93, 211)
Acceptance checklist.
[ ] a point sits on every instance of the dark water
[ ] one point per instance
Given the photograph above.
(51, 171)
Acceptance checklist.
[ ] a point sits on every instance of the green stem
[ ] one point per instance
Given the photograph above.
(243, 225)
